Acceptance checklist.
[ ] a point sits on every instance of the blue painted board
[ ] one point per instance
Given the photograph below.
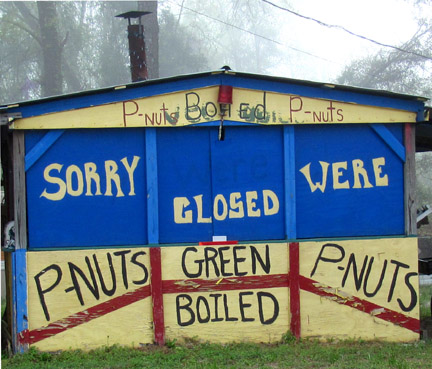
(230, 188)
(184, 177)
(19, 296)
(338, 209)
(248, 183)
(88, 189)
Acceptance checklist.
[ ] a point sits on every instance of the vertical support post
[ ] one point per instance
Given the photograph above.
(20, 210)
(409, 181)
(153, 236)
(19, 265)
(294, 285)
(290, 190)
(157, 295)
(152, 186)
(19, 287)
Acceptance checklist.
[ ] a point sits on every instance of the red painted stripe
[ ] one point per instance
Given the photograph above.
(36, 335)
(157, 295)
(294, 277)
(360, 304)
(225, 284)
(218, 243)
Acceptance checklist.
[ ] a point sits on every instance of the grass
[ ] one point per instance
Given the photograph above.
(303, 354)
(290, 353)
(425, 301)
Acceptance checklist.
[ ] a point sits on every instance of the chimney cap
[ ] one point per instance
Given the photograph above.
(132, 14)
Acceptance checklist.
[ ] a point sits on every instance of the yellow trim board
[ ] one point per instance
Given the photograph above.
(200, 106)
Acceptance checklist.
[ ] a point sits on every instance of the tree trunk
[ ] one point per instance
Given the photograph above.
(151, 36)
(51, 80)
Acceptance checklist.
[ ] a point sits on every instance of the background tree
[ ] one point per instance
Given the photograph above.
(235, 33)
(60, 47)
(407, 72)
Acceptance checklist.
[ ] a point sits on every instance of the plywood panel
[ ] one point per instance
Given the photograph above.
(248, 183)
(131, 325)
(324, 319)
(88, 189)
(228, 261)
(232, 316)
(226, 292)
(349, 182)
(92, 295)
(184, 178)
(200, 106)
(358, 288)
(375, 281)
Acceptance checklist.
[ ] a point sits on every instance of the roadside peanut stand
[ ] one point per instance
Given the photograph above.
(221, 206)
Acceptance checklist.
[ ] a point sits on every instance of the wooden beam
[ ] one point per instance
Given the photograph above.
(19, 277)
(19, 190)
(409, 182)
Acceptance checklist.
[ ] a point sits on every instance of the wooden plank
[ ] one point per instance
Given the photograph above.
(9, 300)
(294, 275)
(157, 297)
(152, 187)
(409, 182)
(227, 293)
(290, 185)
(377, 311)
(20, 314)
(390, 140)
(41, 147)
(19, 191)
(348, 183)
(89, 296)
(98, 174)
(248, 315)
(200, 105)
(368, 289)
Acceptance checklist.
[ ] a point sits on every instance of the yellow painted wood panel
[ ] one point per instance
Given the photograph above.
(94, 289)
(379, 271)
(233, 316)
(238, 293)
(200, 106)
(383, 271)
(226, 261)
(218, 314)
(131, 325)
(323, 319)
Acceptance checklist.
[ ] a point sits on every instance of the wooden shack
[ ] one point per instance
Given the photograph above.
(219, 206)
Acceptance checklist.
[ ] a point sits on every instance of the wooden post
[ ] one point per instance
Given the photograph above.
(409, 181)
(19, 265)
(19, 190)
(294, 285)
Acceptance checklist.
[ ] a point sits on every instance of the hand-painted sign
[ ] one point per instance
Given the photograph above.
(200, 106)
(88, 189)
(208, 187)
(90, 176)
(238, 206)
(96, 295)
(232, 292)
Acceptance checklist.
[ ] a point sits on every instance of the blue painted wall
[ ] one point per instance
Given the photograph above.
(81, 219)
(366, 211)
(251, 186)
